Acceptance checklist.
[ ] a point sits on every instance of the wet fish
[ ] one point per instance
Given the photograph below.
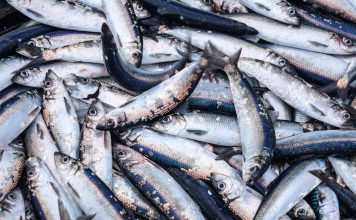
(284, 111)
(199, 4)
(230, 6)
(7, 66)
(13, 207)
(345, 168)
(325, 202)
(10, 92)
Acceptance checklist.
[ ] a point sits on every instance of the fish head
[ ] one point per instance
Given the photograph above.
(133, 55)
(27, 77)
(95, 112)
(346, 44)
(65, 164)
(52, 84)
(33, 171)
(227, 186)
(13, 201)
(253, 169)
(230, 6)
(288, 13)
(304, 211)
(80, 87)
(111, 121)
(126, 156)
(343, 117)
(140, 11)
(170, 123)
(129, 136)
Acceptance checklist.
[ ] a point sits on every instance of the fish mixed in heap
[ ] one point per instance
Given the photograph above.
(177, 109)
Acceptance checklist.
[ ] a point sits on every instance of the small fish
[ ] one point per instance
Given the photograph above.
(13, 207)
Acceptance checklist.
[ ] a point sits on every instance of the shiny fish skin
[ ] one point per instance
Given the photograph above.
(225, 43)
(316, 67)
(95, 147)
(230, 6)
(10, 92)
(308, 99)
(199, 4)
(328, 204)
(123, 24)
(159, 187)
(345, 167)
(51, 12)
(13, 207)
(284, 111)
(35, 75)
(61, 38)
(178, 152)
(288, 189)
(46, 194)
(304, 36)
(317, 143)
(157, 101)
(96, 200)
(17, 113)
(87, 89)
(60, 116)
(7, 66)
(275, 9)
(131, 198)
(11, 166)
(97, 4)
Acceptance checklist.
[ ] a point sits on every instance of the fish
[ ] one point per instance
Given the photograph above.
(95, 146)
(9, 65)
(11, 91)
(11, 165)
(35, 75)
(13, 207)
(127, 34)
(157, 185)
(229, 6)
(46, 194)
(284, 111)
(97, 201)
(326, 202)
(345, 168)
(51, 13)
(199, 4)
(18, 112)
(60, 116)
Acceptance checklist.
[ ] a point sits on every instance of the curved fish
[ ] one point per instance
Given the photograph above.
(13, 207)
(345, 167)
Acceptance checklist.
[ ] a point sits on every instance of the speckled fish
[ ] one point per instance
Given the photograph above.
(308, 100)
(303, 37)
(35, 75)
(315, 67)
(60, 116)
(131, 198)
(95, 147)
(345, 167)
(225, 43)
(17, 113)
(8, 66)
(157, 185)
(123, 24)
(87, 89)
(344, 8)
(229, 6)
(51, 13)
(61, 38)
(325, 203)
(10, 92)
(46, 194)
(288, 189)
(317, 143)
(256, 128)
(13, 207)
(96, 200)
(275, 9)
(156, 101)
(11, 166)
(178, 152)
(241, 199)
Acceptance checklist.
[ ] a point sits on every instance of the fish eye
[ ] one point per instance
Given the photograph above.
(347, 41)
(121, 154)
(85, 80)
(47, 83)
(221, 186)
(282, 62)
(291, 11)
(92, 112)
(110, 122)
(301, 212)
(28, 211)
(65, 159)
(207, 2)
(253, 169)
(139, 7)
(12, 196)
(32, 43)
(24, 73)
(30, 173)
(19, 142)
(166, 119)
(235, 11)
(346, 115)
(135, 54)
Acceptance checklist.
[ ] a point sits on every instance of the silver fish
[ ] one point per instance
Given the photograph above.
(97, 4)
(158, 186)
(205, 5)
(60, 116)
(140, 10)
(10, 92)
(275, 9)
(230, 6)
(95, 147)
(17, 113)
(96, 201)
(11, 166)
(34, 76)
(13, 207)
(47, 194)
(7, 67)
(51, 13)
(345, 167)
(344, 8)
(327, 203)
(305, 36)
(284, 111)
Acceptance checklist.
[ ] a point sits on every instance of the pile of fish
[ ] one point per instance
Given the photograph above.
(177, 109)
